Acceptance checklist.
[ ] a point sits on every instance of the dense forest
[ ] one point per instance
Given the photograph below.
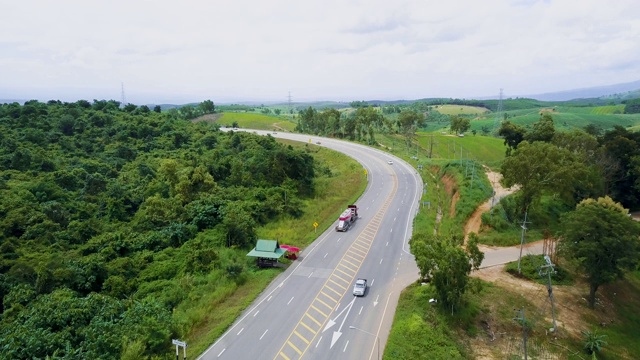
(106, 210)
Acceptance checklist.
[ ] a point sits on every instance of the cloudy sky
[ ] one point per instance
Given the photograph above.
(177, 51)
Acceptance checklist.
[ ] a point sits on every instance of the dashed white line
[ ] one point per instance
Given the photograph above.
(269, 299)
(325, 255)
(372, 281)
(310, 275)
(263, 334)
(345, 346)
(360, 312)
(387, 244)
(254, 315)
(381, 261)
(290, 300)
(222, 352)
(240, 332)
(318, 343)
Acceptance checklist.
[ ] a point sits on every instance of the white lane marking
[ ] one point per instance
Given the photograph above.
(310, 275)
(318, 343)
(325, 255)
(290, 300)
(391, 230)
(263, 334)
(254, 315)
(372, 282)
(345, 346)
(339, 239)
(360, 312)
(240, 332)
(381, 261)
(394, 219)
(222, 352)
(269, 299)
(387, 244)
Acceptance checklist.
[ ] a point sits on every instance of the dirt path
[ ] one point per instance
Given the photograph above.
(475, 221)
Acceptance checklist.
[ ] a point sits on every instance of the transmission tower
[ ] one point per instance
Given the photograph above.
(497, 121)
(123, 99)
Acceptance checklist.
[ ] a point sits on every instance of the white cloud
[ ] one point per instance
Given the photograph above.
(236, 50)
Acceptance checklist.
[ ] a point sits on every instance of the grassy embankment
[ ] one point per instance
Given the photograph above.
(485, 325)
(207, 318)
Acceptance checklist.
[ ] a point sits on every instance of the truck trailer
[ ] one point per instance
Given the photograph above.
(347, 218)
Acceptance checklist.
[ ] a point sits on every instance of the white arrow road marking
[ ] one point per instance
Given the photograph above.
(337, 334)
(376, 302)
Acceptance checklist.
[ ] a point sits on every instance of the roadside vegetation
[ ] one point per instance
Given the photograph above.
(124, 227)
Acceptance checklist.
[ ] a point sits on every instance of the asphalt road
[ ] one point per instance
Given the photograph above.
(309, 311)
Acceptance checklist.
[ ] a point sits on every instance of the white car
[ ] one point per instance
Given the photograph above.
(360, 287)
(390, 162)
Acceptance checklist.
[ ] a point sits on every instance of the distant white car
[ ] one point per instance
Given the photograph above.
(390, 162)
(360, 287)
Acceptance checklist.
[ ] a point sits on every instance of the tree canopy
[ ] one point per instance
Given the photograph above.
(107, 214)
(601, 237)
(447, 265)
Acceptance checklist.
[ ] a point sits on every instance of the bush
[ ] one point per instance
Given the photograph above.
(530, 267)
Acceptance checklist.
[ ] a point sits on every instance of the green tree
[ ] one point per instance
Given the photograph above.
(447, 264)
(408, 123)
(543, 129)
(542, 168)
(459, 124)
(207, 107)
(513, 135)
(601, 237)
(632, 106)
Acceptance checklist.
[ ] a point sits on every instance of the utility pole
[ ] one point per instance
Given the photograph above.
(547, 270)
(431, 147)
(524, 230)
(522, 319)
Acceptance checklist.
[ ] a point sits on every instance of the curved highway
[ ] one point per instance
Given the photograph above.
(308, 311)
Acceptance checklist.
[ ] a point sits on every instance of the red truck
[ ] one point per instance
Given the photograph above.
(348, 217)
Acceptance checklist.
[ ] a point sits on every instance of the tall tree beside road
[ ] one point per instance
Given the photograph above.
(542, 168)
(447, 265)
(408, 123)
(601, 237)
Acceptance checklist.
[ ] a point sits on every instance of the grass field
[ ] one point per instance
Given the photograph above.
(460, 110)
(256, 121)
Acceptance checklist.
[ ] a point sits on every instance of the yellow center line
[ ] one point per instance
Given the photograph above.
(318, 310)
(301, 337)
(308, 328)
(312, 319)
(365, 247)
(338, 285)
